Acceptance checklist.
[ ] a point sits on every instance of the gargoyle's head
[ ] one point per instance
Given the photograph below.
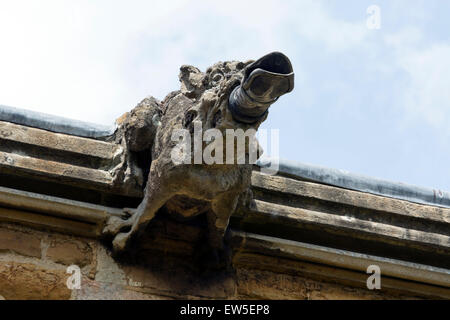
(233, 95)
(237, 94)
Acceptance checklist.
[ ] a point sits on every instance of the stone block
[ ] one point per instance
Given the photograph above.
(70, 252)
(26, 244)
(25, 281)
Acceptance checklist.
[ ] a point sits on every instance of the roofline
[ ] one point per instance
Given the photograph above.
(333, 177)
(54, 123)
(347, 180)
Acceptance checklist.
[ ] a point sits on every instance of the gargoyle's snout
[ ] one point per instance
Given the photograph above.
(265, 80)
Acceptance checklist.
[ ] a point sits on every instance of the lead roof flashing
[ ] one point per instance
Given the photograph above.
(356, 182)
(54, 123)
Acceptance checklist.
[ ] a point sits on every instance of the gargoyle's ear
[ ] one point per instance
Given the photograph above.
(191, 80)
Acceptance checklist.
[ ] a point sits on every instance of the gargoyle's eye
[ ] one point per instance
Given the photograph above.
(216, 76)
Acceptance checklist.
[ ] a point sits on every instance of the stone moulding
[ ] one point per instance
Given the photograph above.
(347, 180)
(353, 265)
(62, 215)
(61, 158)
(351, 220)
(250, 249)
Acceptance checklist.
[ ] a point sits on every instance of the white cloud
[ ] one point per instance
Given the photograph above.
(64, 57)
(316, 24)
(429, 94)
(427, 97)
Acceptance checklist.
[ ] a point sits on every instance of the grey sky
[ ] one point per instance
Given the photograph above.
(375, 102)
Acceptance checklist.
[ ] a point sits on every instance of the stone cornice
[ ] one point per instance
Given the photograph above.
(308, 226)
(336, 265)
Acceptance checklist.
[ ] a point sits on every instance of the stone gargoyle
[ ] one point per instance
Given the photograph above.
(229, 95)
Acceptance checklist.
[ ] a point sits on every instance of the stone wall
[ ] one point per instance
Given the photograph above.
(33, 265)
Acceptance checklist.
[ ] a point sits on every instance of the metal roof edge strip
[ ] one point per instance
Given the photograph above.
(347, 180)
(54, 123)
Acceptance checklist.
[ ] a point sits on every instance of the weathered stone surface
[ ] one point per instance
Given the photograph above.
(135, 134)
(25, 281)
(108, 270)
(258, 276)
(94, 290)
(280, 260)
(77, 161)
(257, 284)
(23, 165)
(139, 127)
(70, 252)
(180, 283)
(57, 207)
(350, 220)
(20, 242)
(361, 200)
(281, 253)
(285, 216)
(47, 222)
(83, 147)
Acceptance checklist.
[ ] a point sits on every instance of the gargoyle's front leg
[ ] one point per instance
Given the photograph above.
(219, 217)
(156, 194)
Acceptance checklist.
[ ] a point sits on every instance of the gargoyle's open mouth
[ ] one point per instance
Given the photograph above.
(264, 82)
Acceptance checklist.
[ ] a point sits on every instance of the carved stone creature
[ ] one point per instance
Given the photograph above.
(229, 95)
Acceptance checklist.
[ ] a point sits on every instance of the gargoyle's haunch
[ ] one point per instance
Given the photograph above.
(229, 95)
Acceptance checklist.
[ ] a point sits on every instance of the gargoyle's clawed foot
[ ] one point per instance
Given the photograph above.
(121, 242)
(127, 213)
(116, 224)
